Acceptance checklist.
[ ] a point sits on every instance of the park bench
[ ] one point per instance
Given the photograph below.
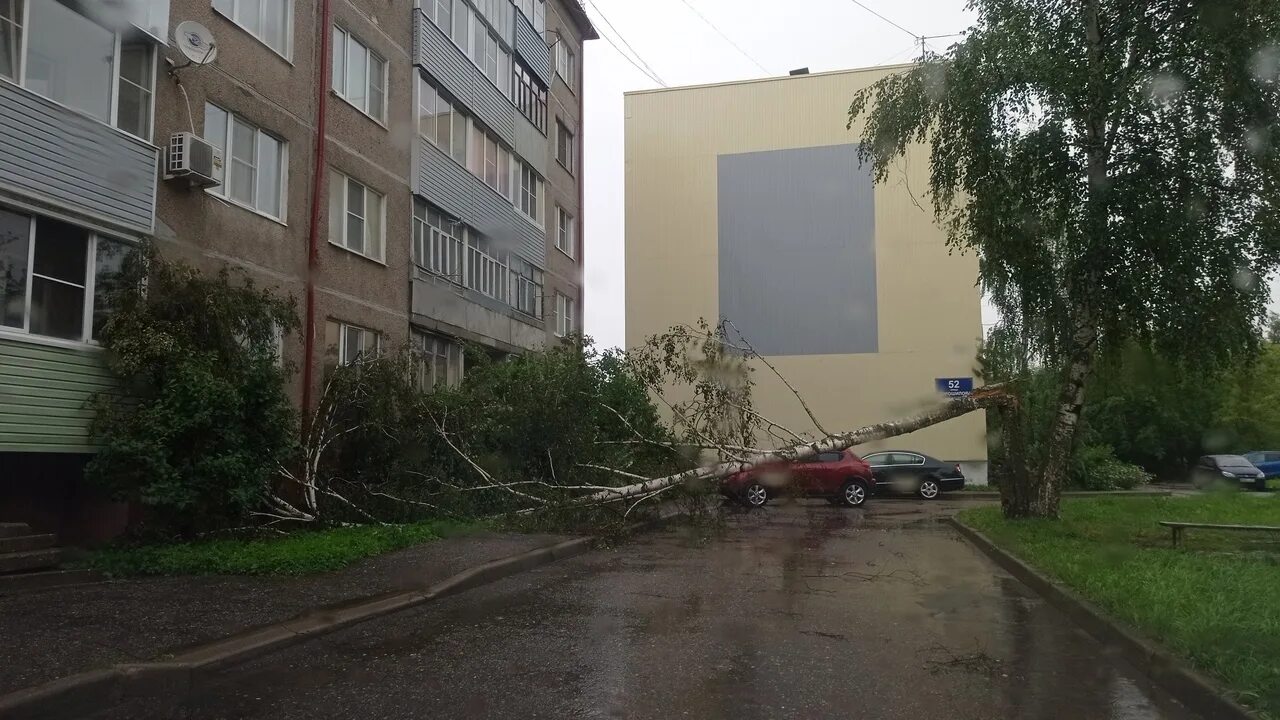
(1178, 527)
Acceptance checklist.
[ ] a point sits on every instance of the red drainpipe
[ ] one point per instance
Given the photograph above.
(582, 202)
(319, 175)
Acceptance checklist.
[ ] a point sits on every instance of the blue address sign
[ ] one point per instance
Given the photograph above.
(955, 387)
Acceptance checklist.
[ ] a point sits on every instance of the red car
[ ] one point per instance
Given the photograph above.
(842, 477)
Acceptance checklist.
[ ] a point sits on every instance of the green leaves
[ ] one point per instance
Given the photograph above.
(206, 420)
(1175, 103)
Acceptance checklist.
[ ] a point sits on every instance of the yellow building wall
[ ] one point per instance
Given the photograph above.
(929, 311)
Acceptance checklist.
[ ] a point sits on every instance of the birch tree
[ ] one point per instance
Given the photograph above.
(1113, 165)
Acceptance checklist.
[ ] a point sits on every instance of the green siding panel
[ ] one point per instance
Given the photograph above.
(46, 396)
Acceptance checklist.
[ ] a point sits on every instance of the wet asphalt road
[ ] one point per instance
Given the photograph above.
(796, 611)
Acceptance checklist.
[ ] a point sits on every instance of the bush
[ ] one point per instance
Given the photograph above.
(204, 419)
(1095, 467)
(543, 424)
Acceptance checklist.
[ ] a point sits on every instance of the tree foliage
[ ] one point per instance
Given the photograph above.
(1114, 164)
(203, 420)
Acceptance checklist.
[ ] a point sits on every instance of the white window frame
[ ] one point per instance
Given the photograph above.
(431, 347)
(566, 315)
(570, 146)
(518, 192)
(86, 338)
(341, 91)
(566, 64)
(220, 7)
(365, 334)
(566, 232)
(364, 216)
(436, 249)
(223, 191)
(24, 45)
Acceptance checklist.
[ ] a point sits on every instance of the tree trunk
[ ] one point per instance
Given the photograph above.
(988, 397)
(1044, 497)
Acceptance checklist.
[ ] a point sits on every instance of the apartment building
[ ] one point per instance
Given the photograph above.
(395, 165)
(846, 286)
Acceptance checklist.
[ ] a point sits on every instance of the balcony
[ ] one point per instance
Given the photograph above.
(54, 157)
(450, 186)
(532, 49)
(437, 54)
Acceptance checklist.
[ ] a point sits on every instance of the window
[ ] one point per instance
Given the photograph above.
(437, 241)
(486, 271)
(528, 198)
(256, 162)
(830, 457)
(440, 12)
(359, 75)
(10, 38)
(526, 287)
(565, 232)
(566, 315)
(441, 122)
(69, 58)
(58, 277)
(564, 146)
(439, 361)
(356, 343)
(535, 11)
(462, 27)
(355, 216)
(877, 459)
(134, 112)
(565, 63)
(529, 96)
(268, 20)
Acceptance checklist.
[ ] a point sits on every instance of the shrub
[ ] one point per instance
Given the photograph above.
(204, 419)
(1095, 467)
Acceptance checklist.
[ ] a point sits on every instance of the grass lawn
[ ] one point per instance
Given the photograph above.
(299, 553)
(1215, 600)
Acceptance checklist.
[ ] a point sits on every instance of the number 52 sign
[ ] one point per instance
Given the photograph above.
(954, 387)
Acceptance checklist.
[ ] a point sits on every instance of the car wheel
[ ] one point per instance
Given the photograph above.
(755, 495)
(853, 493)
(929, 489)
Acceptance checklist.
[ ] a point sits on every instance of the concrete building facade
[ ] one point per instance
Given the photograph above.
(746, 201)
(392, 164)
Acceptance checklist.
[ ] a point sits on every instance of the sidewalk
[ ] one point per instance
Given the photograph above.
(57, 632)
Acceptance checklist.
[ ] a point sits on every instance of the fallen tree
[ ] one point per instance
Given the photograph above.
(990, 397)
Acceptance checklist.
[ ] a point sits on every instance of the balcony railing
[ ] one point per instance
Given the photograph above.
(55, 156)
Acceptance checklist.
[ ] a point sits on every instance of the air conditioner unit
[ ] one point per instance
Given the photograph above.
(192, 160)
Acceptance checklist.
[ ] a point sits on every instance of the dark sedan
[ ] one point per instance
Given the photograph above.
(1233, 469)
(913, 473)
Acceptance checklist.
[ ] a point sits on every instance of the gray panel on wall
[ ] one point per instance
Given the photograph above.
(797, 257)
(531, 145)
(532, 49)
(445, 63)
(454, 189)
(56, 156)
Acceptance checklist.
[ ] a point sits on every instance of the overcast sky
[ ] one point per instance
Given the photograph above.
(682, 49)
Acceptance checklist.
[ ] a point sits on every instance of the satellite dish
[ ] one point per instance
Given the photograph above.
(196, 42)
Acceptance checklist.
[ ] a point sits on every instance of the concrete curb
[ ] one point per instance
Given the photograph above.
(1197, 692)
(92, 691)
(985, 495)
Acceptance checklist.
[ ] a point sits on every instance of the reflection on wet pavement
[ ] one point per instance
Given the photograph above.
(796, 611)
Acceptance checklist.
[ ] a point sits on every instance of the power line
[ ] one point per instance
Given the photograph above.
(894, 56)
(647, 69)
(914, 36)
(727, 38)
